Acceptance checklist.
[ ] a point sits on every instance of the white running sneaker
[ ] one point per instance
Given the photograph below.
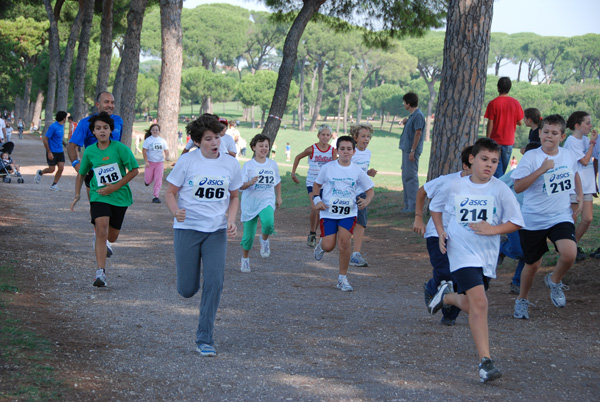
(344, 285)
(265, 248)
(319, 252)
(245, 265)
(357, 260)
(100, 278)
(54, 187)
(556, 291)
(38, 177)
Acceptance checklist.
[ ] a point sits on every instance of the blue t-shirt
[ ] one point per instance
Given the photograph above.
(55, 134)
(416, 121)
(83, 137)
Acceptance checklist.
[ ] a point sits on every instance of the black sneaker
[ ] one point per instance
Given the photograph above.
(580, 255)
(428, 296)
(487, 371)
(595, 254)
(449, 322)
(156, 200)
(500, 259)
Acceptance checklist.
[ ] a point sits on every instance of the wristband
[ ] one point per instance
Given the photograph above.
(75, 162)
(316, 199)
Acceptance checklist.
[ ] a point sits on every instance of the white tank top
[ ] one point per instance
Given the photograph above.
(316, 160)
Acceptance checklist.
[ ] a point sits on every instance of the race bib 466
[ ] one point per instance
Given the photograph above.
(210, 188)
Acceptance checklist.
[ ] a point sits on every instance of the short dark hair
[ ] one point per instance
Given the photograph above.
(100, 94)
(485, 143)
(411, 98)
(533, 114)
(202, 124)
(259, 138)
(532, 145)
(464, 155)
(576, 118)
(60, 116)
(504, 85)
(102, 116)
(346, 138)
(555, 120)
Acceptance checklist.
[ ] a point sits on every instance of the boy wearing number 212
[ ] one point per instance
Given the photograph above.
(114, 167)
(480, 208)
(340, 181)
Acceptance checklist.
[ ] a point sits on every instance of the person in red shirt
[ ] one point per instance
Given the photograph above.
(504, 114)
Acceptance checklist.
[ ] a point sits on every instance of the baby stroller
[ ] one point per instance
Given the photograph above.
(6, 171)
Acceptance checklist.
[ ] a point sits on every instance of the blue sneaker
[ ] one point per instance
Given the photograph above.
(206, 350)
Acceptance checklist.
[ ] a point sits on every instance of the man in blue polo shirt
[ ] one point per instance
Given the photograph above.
(411, 144)
(55, 155)
(83, 137)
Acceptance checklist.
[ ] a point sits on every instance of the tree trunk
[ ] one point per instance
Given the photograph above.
(286, 70)
(339, 111)
(54, 55)
(317, 109)
(79, 106)
(432, 93)
(301, 95)
(131, 58)
(26, 101)
(519, 73)
(172, 61)
(347, 101)
(105, 48)
(462, 86)
(64, 72)
(37, 109)
(392, 124)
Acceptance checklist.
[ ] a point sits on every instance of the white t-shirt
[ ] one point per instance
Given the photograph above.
(227, 145)
(362, 159)
(204, 190)
(262, 194)
(155, 147)
(586, 173)
(545, 207)
(340, 186)
(465, 202)
(432, 189)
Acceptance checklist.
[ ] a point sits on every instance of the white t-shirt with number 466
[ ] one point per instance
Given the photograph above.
(204, 190)
(465, 202)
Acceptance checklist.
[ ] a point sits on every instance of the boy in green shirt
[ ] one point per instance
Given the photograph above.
(114, 167)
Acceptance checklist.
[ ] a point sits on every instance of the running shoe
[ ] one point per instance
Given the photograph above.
(514, 288)
(449, 322)
(487, 371)
(438, 299)
(522, 308)
(580, 255)
(556, 291)
(319, 252)
(245, 265)
(38, 177)
(344, 285)
(156, 200)
(109, 250)
(311, 240)
(54, 187)
(206, 350)
(100, 278)
(428, 296)
(265, 248)
(357, 260)
(595, 254)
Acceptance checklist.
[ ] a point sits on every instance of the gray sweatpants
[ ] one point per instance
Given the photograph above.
(192, 250)
(410, 180)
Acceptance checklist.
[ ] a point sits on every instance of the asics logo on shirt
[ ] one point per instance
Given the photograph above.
(558, 176)
(264, 171)
(104, 170)
(468, 201)
(206, 181)
(341, 202)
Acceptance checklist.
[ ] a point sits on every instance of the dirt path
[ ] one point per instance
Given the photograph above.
(284, 332)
